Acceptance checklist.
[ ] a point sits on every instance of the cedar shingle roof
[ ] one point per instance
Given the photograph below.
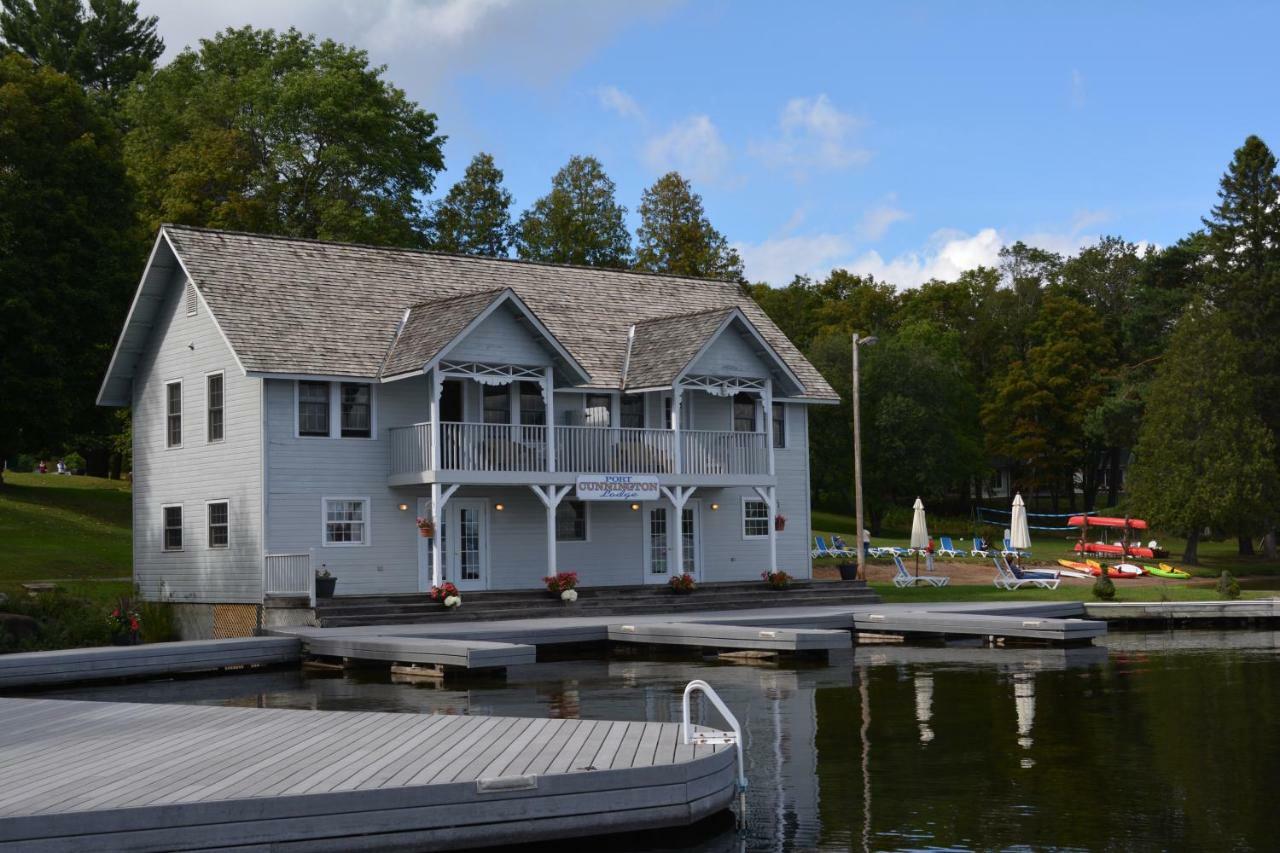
(431, 325)
(665, 345)
(305, 306)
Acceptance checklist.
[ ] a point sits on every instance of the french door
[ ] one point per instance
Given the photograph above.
(659, 540)
(464, 543)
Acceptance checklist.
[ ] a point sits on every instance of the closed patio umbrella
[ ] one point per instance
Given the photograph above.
(919, 531)
(1019, 533)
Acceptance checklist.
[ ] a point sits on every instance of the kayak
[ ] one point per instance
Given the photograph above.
(1130, 569)
(1101, 521)
(1096, 568)
(1164, 570)
(1114, 550)
(1079, 567)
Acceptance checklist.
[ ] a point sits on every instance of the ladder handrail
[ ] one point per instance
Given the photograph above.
(686, 727)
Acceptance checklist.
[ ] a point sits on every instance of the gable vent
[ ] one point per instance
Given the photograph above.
(193, 301)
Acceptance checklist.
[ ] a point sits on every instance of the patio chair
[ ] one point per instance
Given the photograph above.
(1011, 577)
(903, 578)
(838, 544)
(946, 549)
(823, 551)
(1009, 551)
(980, 548)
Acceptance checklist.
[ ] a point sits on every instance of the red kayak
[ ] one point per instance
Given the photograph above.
(1101, 521)
(1116, 550)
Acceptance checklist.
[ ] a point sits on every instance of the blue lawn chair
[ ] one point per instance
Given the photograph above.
(946, 549)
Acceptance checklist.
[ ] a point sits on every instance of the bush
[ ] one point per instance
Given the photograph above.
(1103, 588)
(74, 461)
(1227, 586)
(66, 622)
(24, 464)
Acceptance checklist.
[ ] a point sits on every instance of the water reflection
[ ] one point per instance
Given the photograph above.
(901, 747)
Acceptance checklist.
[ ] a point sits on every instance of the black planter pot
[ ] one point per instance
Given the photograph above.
(129, 638)
(848, 571)
(324, 587)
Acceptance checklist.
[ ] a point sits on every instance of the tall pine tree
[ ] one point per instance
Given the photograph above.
(474, 217)
(675, 235)
(578, 222)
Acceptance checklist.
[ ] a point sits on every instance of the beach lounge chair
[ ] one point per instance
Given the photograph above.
(904, 578)
(980, 548)
(946, 549)
(823, 551)
(1010, 551)
(1011, 577)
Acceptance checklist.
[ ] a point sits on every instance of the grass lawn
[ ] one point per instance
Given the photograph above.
(1048, 548)
(64, 528)
(1172, 591)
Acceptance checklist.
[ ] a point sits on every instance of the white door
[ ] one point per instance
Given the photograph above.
(466, 554)
(659, 561)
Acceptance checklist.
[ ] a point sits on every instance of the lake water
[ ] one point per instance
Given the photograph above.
(1159, 741)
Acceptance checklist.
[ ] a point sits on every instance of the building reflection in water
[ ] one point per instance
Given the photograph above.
(924, 705)
(1024, 702)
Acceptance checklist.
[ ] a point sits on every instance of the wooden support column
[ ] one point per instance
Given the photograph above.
(548, 399)
(769, 494)
(551, 496)
(434, 406)
(676, 400)
(679, 496)
(766, 400)
(440, 495)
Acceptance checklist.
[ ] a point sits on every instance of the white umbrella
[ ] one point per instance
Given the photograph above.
(919, 531)
(1020, 534)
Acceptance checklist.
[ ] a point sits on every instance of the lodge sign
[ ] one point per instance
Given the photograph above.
(618, 487)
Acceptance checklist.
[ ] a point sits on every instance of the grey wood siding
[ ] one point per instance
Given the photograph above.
(500, 339)
(187, 348)
(729, 355)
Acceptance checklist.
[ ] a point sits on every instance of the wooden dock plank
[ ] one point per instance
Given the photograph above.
(723, 636)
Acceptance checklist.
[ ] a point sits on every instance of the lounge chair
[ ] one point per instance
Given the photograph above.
(904, 578)
(1011, 577)
(980, 548)
(823, 551)
(1010, 551)
(946, 549)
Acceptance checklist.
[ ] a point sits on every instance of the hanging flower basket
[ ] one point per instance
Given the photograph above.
(426, 528)
(779, 522)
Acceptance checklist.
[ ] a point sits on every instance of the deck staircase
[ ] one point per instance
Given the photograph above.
(349, 610)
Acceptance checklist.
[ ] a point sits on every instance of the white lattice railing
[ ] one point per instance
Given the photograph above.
(493, 447)
(711, 452)
(291, 574)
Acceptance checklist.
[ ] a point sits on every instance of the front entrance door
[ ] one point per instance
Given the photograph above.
(659, 562)
(466, 553)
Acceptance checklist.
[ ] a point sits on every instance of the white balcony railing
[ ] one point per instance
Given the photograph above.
(290, 575)
(411, 449)
(708, 452)
(492, 447)
(615, 450)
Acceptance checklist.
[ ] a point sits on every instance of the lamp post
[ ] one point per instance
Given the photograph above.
(857, 457)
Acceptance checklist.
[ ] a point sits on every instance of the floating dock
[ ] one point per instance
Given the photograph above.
(117, 776)
(734, 637)
(450, 654)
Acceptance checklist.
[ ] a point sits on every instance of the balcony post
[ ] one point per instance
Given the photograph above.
(676, 400)
(766, 397)
(548, 398)
(769, 494)
(551, 496)
(434, 461)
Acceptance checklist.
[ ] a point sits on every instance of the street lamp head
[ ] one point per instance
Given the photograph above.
(867, 341)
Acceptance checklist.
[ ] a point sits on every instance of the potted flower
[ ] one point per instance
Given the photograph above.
(779, 522)
(562, 582)
(126, 624)
(447, 594)
(777, 580)
(569, 596)
(325, 582)
(682, 584)
(426, 528)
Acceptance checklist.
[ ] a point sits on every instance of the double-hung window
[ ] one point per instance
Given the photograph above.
(744, 413)
(313, 408)
(631, 411)
(780, 425)
(219, 523)
(171, 534)
(571, 521)
(595, 410)
(755, 519)
(214, 407)
(346, 521)
(173, 414)
(357, 410)
(497, 404)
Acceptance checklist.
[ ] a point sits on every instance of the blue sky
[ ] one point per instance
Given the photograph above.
(906, 140)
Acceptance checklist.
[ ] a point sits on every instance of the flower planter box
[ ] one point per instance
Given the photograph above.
(325, 587)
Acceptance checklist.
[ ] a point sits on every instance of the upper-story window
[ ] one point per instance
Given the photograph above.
(780, 425)
(631, 410)
(313, 408)
(744, 413)
(173, 414)
(532, 410)
(595, 409)
(357, 410)
(497, 404)
(214, 407)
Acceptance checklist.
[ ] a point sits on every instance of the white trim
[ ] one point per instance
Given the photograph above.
(223, 374)
(311, 377)
(742, 519)
(737, 313)
(182, 414)
(128, 320)
(212, 317)
(586, 522)
(182, 528)
(208, 539)
(324, 522)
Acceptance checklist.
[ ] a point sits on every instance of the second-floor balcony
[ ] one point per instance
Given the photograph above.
(495, 453)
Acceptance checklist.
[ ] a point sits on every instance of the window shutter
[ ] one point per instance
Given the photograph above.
(193, 301)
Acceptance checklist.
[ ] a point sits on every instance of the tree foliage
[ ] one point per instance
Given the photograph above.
(281, 134)
(578, 222)
(474, 217)
(1204, 458)
(675, 235)
(104, 47)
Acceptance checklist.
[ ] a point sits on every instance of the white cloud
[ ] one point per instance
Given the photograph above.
(813, 135)
(947, 254)
(692, 146)
(614, 99)
(778, 260)
(877, 221)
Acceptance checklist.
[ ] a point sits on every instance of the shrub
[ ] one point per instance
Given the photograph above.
(1228, 587)
(24, 464)
(1103, 588)
(74, 461)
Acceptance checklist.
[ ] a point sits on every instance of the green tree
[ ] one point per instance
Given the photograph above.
(675, 235)
(68, 259)
(1204, 457)
(282, 134)
(578, 222)
(474, 217)
(104, 47)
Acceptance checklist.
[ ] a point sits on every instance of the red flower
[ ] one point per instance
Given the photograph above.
(133, 624)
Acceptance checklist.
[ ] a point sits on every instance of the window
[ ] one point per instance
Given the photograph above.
(213, 401)
(744, 413)
(173, 414)
(313, 408)
(357, 411)
(755, 519)
(780, 425)
(497, 404)
(532, 410)
(571, 521)
(346, 521)
(172, 515)
(632, 411)
(219, 524)
(596, 409)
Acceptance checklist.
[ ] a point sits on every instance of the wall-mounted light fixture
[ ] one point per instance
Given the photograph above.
(499, 507)
(403, 507)
(635, 507)
(715, 507)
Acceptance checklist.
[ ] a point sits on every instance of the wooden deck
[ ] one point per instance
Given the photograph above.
(1029, 626)
(116, 776)
(462, 654)
(713, 636)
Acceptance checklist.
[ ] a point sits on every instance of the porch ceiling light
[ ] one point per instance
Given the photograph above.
(499, 507)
